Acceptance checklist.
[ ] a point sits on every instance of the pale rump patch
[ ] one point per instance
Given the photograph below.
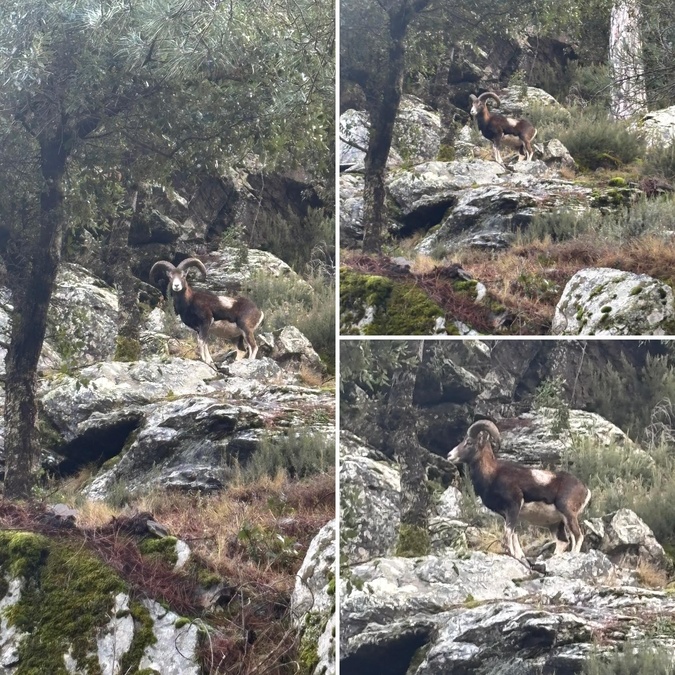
(227, 303)
(542, 477)
(226, 329)
(539, 513)
(511, 120)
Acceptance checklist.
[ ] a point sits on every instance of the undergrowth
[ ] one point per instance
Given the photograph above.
(249, 541)
(308, 304)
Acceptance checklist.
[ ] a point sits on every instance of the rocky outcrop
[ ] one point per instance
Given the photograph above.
(417, 135)
(175, 418)
(467, 202)
(477, 612)
(369, 497)
(604, 301)
(487, 614)
(313, 604)
(659, 126)
(164, 410)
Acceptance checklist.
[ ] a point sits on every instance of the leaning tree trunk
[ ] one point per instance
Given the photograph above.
(402, 439)
(626, 60)
(31, 294)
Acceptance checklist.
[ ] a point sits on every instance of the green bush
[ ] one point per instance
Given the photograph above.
(300, 454)
(660, 161)
(309, 305)
(622, 478)
(595, 141)
(296, 243)
(633, 659)
(589, 84)
(643, 217)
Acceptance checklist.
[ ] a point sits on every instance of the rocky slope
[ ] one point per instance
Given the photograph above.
(454, 200)
(164, 422)
(464, 605)
(470, 611)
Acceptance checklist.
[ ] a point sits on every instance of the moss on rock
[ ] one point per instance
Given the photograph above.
(163, 549)
(400, 308)
(144, 636)
(67, 597)
(413, 541)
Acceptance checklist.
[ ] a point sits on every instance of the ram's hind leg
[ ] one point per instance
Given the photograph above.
(561, 539)
(251, 344)
(204, 353)
(242, 348)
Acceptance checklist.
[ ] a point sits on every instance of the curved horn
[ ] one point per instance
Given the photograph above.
(485, 425)
(164, 265)
(488, 94)
(186, 264)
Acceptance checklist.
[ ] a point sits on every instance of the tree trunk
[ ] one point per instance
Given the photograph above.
(128, 347)
(626, 60)
(402, 438)
(383, 108)
(32, 279)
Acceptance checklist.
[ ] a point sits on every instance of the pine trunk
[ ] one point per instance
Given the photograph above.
(626, 60)
(31, 294)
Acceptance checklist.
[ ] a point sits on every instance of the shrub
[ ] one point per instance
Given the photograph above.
(551, 394)
(595, 141)
(298, 454)
(622, 478)
(643, 217)
(309, 305)
(589, 84)
(633, 659)
(660, 161)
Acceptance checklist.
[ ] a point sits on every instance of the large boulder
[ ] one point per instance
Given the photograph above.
(82, 318)
(659, 126)
(605, 301)
(370, 487)
(313, 603)
(627, 540)
(417, 135)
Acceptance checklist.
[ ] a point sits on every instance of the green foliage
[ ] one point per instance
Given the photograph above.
(621, 477)
(309, 305)
(413, 541)
(550, 394)
(629, 395)
(268, 547)
(66, 599)
(595, 141)
(118, 495)
(127, 349)
(300, 453)
(634, 658)
(279, 235)
(163, 549)
(660, 161)
(400, 308)
(642, 217)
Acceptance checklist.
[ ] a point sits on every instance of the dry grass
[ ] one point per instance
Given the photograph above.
(310, 376)
(651, 576)
(250, 540)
